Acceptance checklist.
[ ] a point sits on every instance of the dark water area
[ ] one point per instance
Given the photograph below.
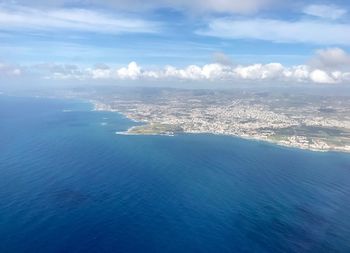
(68, 183)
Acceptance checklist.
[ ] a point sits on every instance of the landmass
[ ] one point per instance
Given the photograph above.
(315, 122)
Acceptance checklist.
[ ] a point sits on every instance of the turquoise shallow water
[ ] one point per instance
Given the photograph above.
(68, 183)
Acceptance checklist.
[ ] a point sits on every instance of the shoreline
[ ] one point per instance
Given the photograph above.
(126, 132)
(98, 106)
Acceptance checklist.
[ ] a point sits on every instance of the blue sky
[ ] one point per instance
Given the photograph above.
(88, 34)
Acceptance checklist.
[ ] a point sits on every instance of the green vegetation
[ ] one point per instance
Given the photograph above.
(158, 129)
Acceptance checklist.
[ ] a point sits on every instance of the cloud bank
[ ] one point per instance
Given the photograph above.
(274, 72)
(328, 66)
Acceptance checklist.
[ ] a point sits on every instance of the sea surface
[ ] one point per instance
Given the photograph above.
(68, 183)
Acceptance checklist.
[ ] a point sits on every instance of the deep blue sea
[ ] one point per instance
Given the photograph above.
(68, 183)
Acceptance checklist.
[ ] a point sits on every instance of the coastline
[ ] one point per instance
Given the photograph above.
(98, 106)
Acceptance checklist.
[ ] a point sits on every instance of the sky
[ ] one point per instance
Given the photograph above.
(204, 41)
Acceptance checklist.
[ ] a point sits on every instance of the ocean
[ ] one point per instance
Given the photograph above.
(68, 183)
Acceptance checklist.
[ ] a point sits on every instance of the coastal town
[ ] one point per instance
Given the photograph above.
(304, 121)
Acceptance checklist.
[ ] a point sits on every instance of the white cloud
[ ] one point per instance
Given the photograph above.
(324, 11)
(303, 31)
(320, 76)
(133, 71)
(192, 6)
(59, 71)
(99, 73)
(272, 72)
(300, 73)
(220, 6)
(10, 70)
(331, 59)
(260, 71)
(324, 72)
(19, 18)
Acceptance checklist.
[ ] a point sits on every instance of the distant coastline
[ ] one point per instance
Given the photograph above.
(147, 128)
